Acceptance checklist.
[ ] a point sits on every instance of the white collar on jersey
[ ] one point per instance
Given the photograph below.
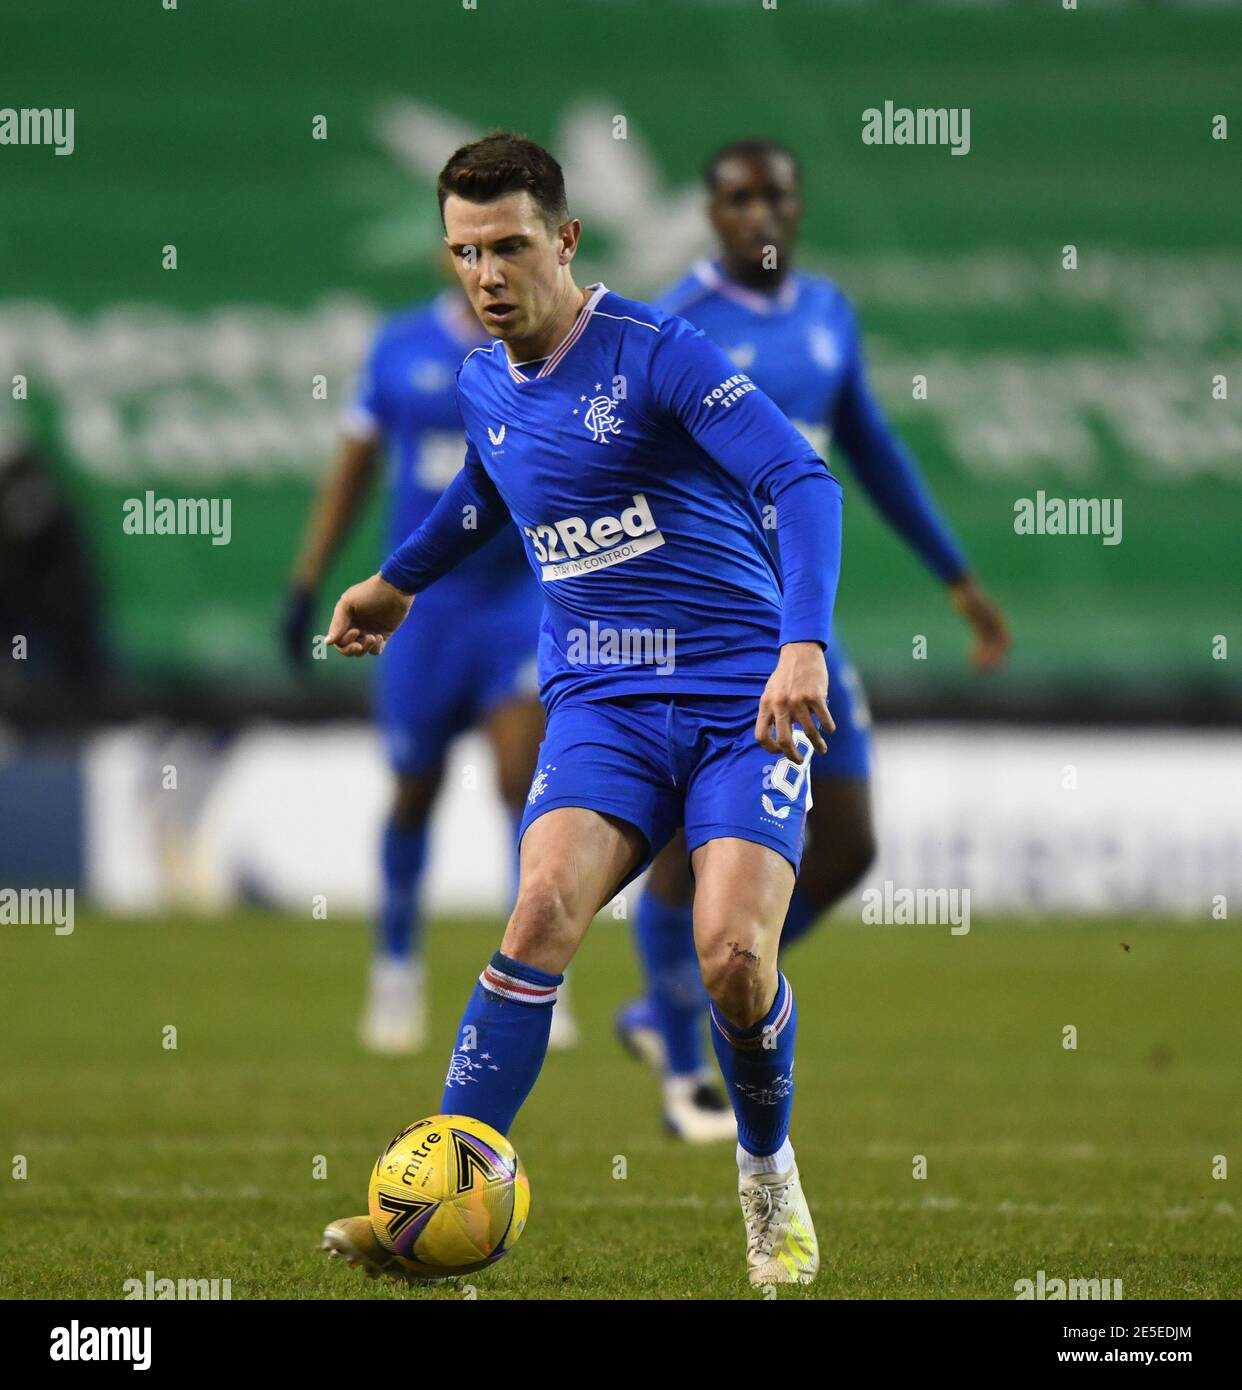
(598, 291)
(711, 275)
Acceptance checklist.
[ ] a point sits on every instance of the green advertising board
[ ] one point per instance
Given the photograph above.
(188, 294)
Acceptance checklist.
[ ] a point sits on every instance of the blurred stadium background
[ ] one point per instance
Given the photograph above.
(195, 130)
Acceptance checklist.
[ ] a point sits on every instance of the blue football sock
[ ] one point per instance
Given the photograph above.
(800, 917)
(501, 1042)
(675, 992)
(757, 1065)
(404, 855)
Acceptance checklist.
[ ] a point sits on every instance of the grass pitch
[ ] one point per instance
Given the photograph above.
(200, 1162)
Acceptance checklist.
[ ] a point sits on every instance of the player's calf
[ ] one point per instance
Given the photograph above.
(572, 859)
(829, 875)
(841, 850)
(743, 889)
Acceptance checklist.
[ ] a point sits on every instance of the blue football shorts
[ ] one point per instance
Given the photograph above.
(849, 749)
(660, 762)
(663, 762)
(454, 660)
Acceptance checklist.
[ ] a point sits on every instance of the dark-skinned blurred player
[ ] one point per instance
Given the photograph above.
(798, 339)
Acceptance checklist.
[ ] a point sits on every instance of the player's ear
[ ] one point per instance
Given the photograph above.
(568, 235)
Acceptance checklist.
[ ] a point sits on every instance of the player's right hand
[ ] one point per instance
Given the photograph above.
(366, 616)
(796, 693)
(990, 639)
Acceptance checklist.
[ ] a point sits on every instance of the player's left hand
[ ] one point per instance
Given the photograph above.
(295, 625)
(990, 633)
(796, 693)
(366, 616)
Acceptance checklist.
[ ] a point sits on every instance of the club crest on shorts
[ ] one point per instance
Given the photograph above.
(540, 784)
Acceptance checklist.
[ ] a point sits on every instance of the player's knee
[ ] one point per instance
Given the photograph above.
(409, 817)
(411, 806)
(670, 880)
(857, 857)
(737, 978)
(543, 919)
(825, 879)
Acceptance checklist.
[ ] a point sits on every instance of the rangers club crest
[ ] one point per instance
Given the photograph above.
(460, 1067)
(598, 415)
(540, 784)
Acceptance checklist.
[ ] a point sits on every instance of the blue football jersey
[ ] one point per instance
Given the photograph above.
(801, 346)
(640, 466)
(407, 396)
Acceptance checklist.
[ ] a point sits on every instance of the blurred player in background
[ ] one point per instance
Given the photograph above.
(798, 339)
(467, 655)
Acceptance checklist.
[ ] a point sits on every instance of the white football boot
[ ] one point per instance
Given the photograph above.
(696, 1110)
(635, 1024)
(395, 1021)
(352, 1239)
(564, 1033)
(780, 1236)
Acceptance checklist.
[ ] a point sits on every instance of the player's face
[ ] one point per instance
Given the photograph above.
(756, 205)
(509, 261)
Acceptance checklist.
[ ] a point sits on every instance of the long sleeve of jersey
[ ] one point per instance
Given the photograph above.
(469, 513)
(747, 436)
(887, 473)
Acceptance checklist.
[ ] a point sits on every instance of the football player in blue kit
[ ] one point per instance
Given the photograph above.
(466, 657)
(682, 674)
(797, 336)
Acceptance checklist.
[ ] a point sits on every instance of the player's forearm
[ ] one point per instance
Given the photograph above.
(892, 482)
(902, 500)
(808, 526)
(335, 510)
(465, 518)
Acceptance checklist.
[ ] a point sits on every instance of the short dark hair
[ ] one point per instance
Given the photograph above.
(503, 162)
(749, 149)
